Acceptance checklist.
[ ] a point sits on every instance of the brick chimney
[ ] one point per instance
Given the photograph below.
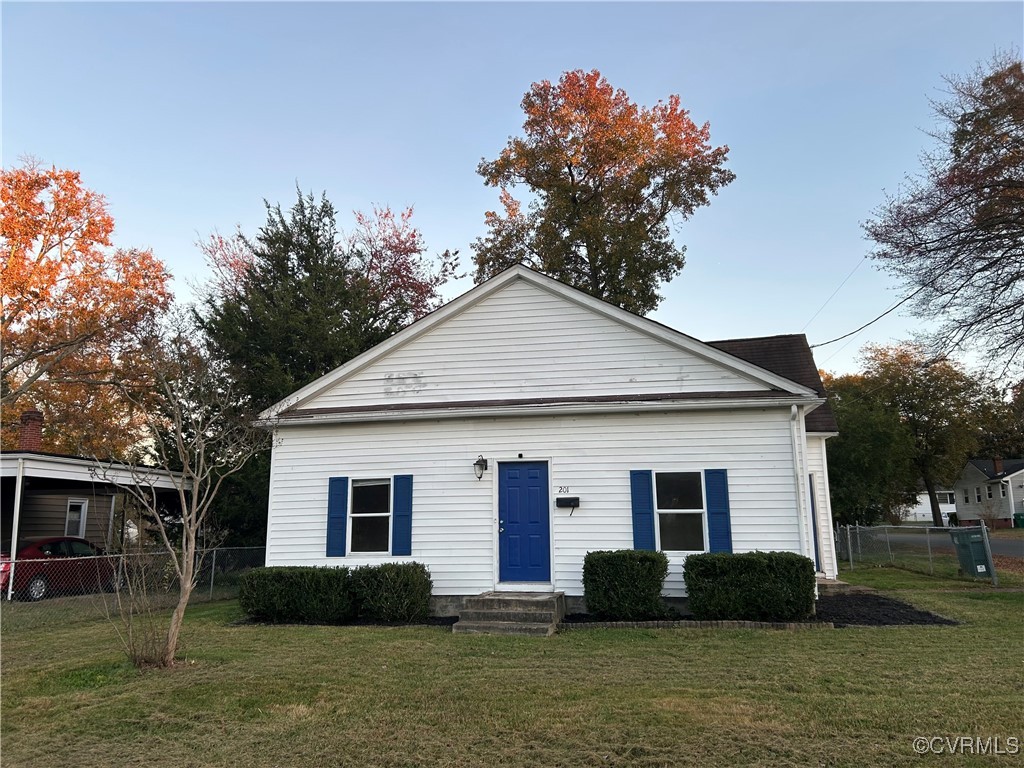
(30, 436)
(997, 466)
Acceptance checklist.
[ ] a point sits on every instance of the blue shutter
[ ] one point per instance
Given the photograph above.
(401, 516)
(641, 488)
(716, 482)
(337, 515)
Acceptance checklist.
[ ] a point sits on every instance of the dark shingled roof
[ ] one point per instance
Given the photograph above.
(988, 467)
(788, 356)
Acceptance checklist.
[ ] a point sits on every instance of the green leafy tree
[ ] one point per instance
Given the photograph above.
(298, 300)
(938, 404)
(606, 177)
(870, 464)
(954, 234)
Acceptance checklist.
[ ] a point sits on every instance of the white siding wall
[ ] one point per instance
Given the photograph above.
(817, 465)
(525, 342)
(454, 521)
(922, 511)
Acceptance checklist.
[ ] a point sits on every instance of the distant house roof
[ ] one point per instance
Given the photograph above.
(55, 466)
(789, 356)
(1010, 466)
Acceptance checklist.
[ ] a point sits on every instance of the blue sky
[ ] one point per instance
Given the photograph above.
(187, 115)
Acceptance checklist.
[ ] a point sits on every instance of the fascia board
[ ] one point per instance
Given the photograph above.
(564, 409)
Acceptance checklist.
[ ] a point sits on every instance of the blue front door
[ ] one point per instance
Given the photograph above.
(524, 536)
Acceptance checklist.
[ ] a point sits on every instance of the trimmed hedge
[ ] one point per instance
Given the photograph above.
(752, 586)
(624, 585)
(392, 592)
(388, 593)
(298, 595)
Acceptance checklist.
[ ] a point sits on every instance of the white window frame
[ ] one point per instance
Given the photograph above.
(81, 523)
(365, 481)
(989, 490)
(703, 512)
(977, 493)
(967, 495)
(1002, 490)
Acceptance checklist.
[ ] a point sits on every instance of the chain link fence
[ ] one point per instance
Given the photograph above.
(53, 590)
(923, 549)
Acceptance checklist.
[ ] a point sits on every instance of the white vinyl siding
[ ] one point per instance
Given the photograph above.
(817, 465)
(453, 521)
(525, 342)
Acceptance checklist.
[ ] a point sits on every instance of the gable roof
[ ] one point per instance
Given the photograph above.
(759, 376)
(790, 356)
(1010, 467)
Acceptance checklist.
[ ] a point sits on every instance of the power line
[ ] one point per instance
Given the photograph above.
(895, 306)
(845, 280)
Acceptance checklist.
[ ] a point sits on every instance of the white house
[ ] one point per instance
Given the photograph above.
(921, 512)
(990, 490)
(526, 423)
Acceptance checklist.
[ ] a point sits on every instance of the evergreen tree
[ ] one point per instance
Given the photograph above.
(300, 299)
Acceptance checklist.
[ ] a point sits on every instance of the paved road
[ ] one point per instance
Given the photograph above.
(942, 541)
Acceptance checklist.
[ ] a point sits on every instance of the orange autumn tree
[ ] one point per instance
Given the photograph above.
(72, 304)
(606, 177)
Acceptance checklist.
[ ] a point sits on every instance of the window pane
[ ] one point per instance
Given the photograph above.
(682, 532)
(371, 497)
(679, 490)
(80, 549)
(370, 534)
(73, 526)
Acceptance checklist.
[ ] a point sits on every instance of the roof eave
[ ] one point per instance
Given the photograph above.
(341, 416)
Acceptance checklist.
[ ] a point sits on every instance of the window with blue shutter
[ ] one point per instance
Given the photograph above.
(401, 516)
(641, 487)
(719, 523)
(337, 516)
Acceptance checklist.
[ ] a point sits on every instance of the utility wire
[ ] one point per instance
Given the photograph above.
(845, 280)
(895, 306)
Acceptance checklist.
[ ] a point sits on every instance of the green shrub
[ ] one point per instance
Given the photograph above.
(753, 586)
(624, 585)
(297, 594)
(392, 592)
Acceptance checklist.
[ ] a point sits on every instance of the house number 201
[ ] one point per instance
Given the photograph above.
(563, 489)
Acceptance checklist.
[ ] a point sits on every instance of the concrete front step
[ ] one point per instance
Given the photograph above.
(512, 613)
(549, 616)
(516, 601)
(503, 628)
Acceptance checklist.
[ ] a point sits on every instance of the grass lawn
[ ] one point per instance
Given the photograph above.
(258, 696)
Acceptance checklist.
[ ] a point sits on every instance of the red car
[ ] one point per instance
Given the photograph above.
(61, 565)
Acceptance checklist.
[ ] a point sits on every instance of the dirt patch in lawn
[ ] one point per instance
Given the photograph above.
(857, 609)
(853, 609)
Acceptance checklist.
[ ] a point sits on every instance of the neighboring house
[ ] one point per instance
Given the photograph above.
(44, 495)
(526, 423)
(921, 512)
(990, 490)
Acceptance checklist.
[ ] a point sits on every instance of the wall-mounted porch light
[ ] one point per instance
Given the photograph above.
(480, 466)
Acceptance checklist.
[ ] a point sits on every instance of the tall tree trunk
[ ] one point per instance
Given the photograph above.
(933, 499)
(178, 616)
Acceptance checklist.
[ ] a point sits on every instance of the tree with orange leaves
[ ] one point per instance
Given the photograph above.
(607, 176)
(71, 306)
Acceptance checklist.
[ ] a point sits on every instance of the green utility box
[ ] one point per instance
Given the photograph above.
(1018, 519)
(971, 544)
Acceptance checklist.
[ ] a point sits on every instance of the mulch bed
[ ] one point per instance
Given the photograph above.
(854, 609)
(865, 609)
